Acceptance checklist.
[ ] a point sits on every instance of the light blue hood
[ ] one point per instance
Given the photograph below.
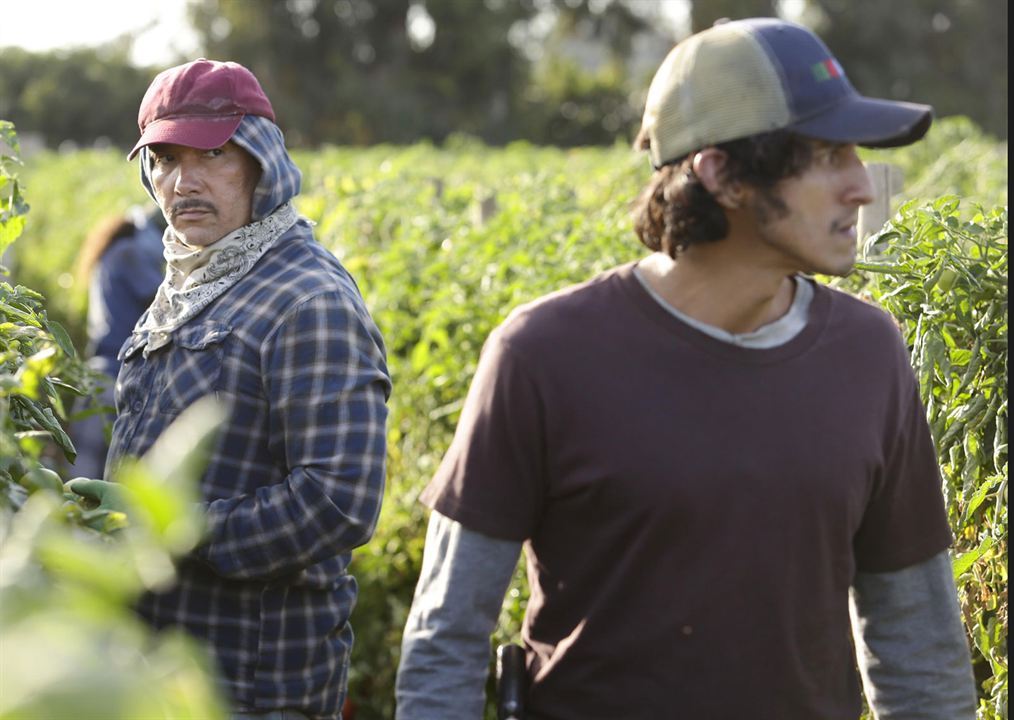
(280, 178)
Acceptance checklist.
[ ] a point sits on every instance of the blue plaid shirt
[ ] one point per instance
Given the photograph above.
(294, 482)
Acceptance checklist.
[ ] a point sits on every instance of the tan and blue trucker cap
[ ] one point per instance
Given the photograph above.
(747, 77)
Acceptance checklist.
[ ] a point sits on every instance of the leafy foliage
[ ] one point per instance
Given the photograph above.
(72, 646)
(945, 279)
(408, 223)
(443, 249)
(955, 158)
(34, 353)
(75, 191)
(12, 205)
(446, 242)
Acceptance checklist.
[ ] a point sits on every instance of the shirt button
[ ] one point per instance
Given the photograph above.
(136, 407)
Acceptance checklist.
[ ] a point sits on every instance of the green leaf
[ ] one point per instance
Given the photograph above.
(980, 495)
(36, 368)
(48, 422)
(62, 338)
(963, 562)
(10, 230)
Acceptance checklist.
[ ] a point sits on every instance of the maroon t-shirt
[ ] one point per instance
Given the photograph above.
(694, 511)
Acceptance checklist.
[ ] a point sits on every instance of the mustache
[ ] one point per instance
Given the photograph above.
(844, 223)
(190, 204)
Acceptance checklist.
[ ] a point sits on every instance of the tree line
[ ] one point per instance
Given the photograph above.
(554, 72)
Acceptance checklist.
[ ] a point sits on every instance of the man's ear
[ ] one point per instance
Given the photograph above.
(710, 168)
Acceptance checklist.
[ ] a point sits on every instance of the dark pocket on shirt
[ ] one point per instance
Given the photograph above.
(193, 366)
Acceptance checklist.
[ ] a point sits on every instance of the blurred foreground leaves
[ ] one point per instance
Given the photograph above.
(72, 646)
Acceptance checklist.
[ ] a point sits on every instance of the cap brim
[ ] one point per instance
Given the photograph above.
(868, 122)
(205, 132)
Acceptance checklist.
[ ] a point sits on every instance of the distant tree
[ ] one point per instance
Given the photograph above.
(951, 54)
(363, 71)
(563, 72)
(704, 13)
(80, 95)
(590, 70)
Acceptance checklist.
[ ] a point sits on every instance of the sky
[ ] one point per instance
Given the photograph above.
(55, 24)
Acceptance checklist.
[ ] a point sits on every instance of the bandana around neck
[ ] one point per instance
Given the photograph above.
(197, 276)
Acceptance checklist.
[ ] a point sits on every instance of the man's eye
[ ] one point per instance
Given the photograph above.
(215, 152)
(831, 154)
(841, 154)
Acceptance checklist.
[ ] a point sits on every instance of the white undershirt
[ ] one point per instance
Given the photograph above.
(775, 333)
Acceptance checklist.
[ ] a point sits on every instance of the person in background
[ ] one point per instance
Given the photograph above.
(254, 311)
(121, 262)
(711, 460)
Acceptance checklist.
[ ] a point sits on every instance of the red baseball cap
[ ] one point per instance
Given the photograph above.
(199, 104)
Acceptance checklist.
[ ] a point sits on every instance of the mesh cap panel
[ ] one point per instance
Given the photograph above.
(710, 92)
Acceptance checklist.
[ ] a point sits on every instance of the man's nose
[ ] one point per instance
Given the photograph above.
(188, 178)
(860, 188)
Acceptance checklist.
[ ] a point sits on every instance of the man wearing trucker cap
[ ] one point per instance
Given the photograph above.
(256, 312)
(709, 458)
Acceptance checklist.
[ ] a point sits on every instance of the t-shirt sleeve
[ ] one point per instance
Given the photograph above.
(905, 521)
(491, 480)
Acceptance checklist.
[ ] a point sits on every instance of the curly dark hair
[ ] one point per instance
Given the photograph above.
(675, 210)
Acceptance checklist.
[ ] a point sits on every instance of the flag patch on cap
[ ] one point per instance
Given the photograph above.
(826, 70)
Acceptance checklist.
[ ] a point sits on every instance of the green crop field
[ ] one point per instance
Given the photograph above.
(446, 241)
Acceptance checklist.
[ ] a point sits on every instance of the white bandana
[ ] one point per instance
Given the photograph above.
(196, 276)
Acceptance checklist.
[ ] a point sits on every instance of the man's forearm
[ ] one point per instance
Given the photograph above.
(288, 527)
(911, 645)
(326, 384)
(445, 651)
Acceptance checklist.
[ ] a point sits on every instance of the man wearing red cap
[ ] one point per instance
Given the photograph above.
(708, 457)
(253, 310)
